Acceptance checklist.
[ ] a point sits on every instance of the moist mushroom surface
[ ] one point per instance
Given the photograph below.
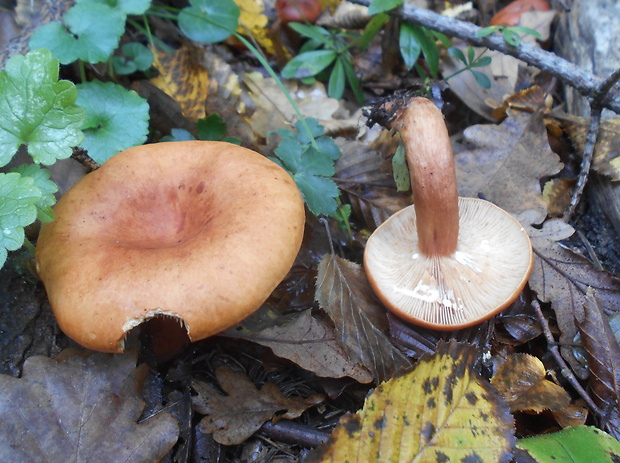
(202, 231)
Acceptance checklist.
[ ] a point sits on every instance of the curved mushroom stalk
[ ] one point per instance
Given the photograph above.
(433, 177)
(446, 262)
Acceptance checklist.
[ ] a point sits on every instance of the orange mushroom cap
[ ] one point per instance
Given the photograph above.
(446, 262)
(201, 231)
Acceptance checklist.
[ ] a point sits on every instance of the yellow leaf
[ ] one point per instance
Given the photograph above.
(521, 380)
(439, 411)
(253, 22)
(183, 79)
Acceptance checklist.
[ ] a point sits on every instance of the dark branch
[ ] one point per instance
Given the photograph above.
(587, 84)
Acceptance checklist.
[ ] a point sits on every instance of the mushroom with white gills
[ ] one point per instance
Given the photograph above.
(446, 262)
(199, 231)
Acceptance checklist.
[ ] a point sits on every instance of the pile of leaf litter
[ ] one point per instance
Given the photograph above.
(321, 365)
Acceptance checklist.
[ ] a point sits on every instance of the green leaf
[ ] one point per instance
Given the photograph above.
(117, 119)
(208, 21)
(429, 48)
(486, 31)
(410, 47)
(354, 81)
(572, 444)
(380, 6)
(481, 79)
(371, 30)
(511, 37)
(18, 198)
(308, 64)
(137, 57)
(178, 135)
(401, 172)
(525, 30)
(483, 61)
(46, 186)
(133, 7)
(94, 32)
(337, 80)
(211, 127)
(317, 33)
(311, 168)
(37, 110)
(328, 147)
(315, 128)
(456, 53)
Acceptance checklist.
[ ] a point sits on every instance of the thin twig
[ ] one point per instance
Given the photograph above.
(587, 84)
(596, 107)
(564, 368)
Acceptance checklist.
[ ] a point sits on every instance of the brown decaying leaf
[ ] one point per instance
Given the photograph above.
(343, 291)
(307, 341)
(605, 159)
(521, 381)
(441, 411)
(562, 278)
(80, 406)
(184, 79)
(361, 174)
(504, 164)
(234, 417)
(30, 15)
(603, 353)
(530, 100)
(557, 194)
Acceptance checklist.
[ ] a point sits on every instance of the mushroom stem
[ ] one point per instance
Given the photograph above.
(433, 178)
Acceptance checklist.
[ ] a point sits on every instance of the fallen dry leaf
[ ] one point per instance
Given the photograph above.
(521, 381)
(253, 23)
(441, 411)
(182, 78)
(234, 417)
(562, 278)
(343, 291)
(80, 406)
(273, 110)
(603, 353)
(504, 164)
(361, 174)
(606, 159)
(307, 341)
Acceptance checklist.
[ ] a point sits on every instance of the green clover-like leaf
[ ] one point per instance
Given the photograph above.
(209, 21)
(46, 186)
(37, 109)
(311, 168)
(117, 119)
(135, 7)
(18, 196)
(136, 57)
(91, 32)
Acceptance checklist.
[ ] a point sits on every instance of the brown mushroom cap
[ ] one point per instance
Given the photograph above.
(203, 231)
(485, 274)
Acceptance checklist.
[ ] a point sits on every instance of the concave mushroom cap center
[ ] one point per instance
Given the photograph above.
(202, 231)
